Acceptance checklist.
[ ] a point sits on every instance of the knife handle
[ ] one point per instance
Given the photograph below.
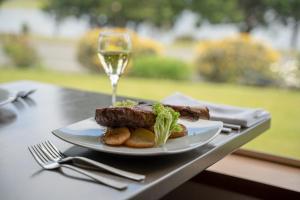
(98, 165)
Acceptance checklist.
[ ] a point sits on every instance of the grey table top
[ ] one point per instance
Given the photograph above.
(31, 121)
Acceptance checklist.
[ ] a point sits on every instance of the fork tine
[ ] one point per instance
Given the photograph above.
(52, 149)
(44, 152)
(36, 156)
(46, 148)
(58, 151)
(40, 154)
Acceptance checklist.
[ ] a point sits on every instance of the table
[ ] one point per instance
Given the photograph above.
(31, 121)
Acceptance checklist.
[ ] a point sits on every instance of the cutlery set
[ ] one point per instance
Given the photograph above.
(50, 158)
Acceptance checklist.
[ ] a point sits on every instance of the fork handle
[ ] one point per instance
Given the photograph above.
(9, 100)
(130, 175)
(103, 180)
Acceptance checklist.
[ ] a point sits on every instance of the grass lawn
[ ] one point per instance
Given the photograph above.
(22, 4)
(283, 138)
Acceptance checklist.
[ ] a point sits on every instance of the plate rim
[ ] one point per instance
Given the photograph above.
(138, 154)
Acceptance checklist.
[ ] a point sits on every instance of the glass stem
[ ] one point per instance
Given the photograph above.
(114, 94)
(114, 83)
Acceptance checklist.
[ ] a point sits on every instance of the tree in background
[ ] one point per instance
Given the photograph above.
(247, 14)
(64, 8)
(118, 12)
(288, 11)
(162, 14)
(251, 14)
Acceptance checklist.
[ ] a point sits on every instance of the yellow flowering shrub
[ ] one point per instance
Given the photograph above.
(20, 50)
(239, 59)
(87, 48)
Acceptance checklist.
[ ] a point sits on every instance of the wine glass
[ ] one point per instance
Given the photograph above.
(114, 50)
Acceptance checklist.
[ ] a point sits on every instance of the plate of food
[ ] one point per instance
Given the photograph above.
(139, 129)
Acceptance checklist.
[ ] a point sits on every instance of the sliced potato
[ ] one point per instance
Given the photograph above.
(141, 138)
(177, 134)
(116, 136)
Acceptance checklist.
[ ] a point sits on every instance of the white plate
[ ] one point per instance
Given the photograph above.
(87, 134)
(4, 96)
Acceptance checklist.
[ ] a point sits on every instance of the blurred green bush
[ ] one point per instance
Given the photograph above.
(160, 67)
(238, 59)
(20, 51)
(87, 48)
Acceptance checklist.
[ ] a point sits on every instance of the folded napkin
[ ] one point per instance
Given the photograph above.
(244, 117)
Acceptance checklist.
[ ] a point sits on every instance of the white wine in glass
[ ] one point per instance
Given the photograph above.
(114, 51)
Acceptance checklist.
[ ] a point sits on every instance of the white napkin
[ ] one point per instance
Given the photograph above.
(245, 117)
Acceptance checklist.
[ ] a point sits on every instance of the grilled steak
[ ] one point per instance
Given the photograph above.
(191, 113)
(142, 115)
(138, 116)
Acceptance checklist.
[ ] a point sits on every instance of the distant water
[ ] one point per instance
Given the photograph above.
(44, 24)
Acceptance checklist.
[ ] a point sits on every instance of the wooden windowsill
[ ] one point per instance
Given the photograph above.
(262, 170)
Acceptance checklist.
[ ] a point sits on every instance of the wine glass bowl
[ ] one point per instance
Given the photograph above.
(114, 50)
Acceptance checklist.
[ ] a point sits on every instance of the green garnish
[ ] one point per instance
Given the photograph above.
(165, 123)
(126, 103)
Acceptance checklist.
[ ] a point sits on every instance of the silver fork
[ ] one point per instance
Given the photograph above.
(16, 96)
(59, 157)
(45, 161)
(24, 94)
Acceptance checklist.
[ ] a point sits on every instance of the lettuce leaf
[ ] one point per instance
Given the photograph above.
(165, 123)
